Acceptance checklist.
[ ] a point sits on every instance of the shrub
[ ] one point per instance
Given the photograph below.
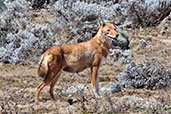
(150, 74)
(21, 38)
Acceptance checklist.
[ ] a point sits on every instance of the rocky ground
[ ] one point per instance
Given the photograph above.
(73, 91)
(18, 84)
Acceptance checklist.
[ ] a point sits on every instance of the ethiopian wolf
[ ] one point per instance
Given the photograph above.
(75, 58)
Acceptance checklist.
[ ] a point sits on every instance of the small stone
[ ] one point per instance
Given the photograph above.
(71, 107)
(149, 47)
(162, 32)
(149, 37)
(141, 29)
(110, 88)
(142, 42)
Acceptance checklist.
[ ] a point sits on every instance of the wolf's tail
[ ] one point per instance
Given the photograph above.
(43, 66)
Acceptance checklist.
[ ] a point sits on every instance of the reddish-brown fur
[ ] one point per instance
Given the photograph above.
(75, 58)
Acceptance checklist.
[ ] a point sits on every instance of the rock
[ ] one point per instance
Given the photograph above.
(71, 107)
(142, 43)
(149, 47)
(141, 29)
(75, 89)
(149, 37)
(162, 32)
(122, 40)
(110, 88)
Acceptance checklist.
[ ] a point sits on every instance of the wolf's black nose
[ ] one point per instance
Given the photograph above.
(117, 35)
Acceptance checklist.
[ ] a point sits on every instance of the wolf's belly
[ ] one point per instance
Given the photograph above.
(76, 67)
(73, 69)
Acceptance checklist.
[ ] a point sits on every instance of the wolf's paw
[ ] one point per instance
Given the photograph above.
(97, 95)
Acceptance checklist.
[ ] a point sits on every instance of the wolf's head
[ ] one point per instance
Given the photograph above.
(108, 33)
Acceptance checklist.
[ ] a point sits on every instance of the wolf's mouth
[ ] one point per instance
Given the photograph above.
(112, 37)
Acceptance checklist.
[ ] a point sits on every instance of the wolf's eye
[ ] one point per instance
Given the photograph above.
(108, 30)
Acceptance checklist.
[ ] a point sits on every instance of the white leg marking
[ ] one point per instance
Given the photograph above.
(96, 89)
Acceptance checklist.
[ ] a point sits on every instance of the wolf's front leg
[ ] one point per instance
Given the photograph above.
(94, 81)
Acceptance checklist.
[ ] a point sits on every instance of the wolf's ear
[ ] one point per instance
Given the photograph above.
(112, 20)
(99, 33)
(101, 22)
